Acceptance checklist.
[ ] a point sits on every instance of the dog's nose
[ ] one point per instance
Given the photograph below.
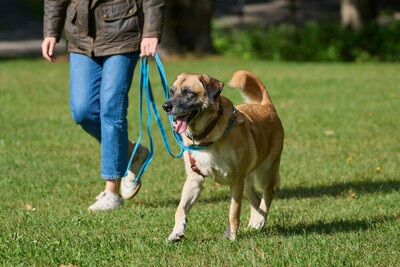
(167, 107)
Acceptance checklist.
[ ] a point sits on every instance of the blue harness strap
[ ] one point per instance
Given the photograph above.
(144, 82)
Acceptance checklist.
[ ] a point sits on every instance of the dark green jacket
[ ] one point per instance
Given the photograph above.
(103, 27)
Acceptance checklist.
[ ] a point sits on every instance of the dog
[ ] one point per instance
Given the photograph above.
(241, 144)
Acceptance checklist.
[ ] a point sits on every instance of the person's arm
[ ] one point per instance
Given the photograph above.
(53, 22)
(153, 19)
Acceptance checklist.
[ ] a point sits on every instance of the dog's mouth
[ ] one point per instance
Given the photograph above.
(181, 122)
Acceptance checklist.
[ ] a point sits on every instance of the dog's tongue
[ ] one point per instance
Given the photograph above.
(180, 123)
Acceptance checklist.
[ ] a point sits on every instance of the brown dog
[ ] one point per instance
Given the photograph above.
(243, 143)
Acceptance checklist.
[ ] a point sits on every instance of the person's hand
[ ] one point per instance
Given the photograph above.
(148, 47)
(48, 45)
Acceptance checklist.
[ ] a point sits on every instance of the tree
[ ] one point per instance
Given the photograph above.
(187, 26)
(293, 10)
(356, 14)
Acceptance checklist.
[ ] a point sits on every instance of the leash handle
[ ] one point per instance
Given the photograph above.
(144, 81)
(149, 158)
(154, 107)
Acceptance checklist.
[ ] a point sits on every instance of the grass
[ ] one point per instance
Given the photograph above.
(333, 206)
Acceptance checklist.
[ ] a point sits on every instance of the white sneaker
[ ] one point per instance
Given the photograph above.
(128, 191)
(106, 200)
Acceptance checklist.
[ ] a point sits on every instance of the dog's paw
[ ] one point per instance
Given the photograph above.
(229, 235)
(175, 237)
(257, 222)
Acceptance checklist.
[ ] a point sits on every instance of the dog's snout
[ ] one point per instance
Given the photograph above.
(167, 106)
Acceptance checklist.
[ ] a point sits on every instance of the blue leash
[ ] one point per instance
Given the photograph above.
(151, 105)
(144, 81)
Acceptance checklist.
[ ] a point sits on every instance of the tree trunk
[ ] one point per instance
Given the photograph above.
(293, 12)
(356, 14)
(187, 27)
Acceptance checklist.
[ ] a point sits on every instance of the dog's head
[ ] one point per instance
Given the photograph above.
(191, 95)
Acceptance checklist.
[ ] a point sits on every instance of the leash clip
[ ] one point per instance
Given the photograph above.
(193, 141)
(191, 137)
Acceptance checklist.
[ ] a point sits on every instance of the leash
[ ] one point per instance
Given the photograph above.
(144, 82)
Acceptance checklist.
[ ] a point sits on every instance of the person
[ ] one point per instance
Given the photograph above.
(105, 39)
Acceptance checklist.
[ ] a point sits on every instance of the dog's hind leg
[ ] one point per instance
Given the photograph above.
(251, 195)
(234, 210)
(190, 193)
(267, 176)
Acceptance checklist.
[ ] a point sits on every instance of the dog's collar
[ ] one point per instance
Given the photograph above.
(209, 128)
(192, 161)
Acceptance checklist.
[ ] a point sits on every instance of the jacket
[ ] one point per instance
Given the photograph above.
(103, 27)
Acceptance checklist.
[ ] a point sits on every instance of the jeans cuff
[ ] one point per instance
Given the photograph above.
(111, 177)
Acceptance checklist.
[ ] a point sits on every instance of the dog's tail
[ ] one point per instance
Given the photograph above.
(251, 86)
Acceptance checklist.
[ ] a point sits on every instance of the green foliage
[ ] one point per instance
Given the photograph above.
(36, 7)
(311, 42)
(334, 206)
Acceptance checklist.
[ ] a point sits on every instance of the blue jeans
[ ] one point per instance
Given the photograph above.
(99, 89)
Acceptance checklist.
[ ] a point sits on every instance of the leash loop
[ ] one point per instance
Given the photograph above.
(144, 84)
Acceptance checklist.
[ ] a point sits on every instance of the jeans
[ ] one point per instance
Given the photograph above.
(99, 89)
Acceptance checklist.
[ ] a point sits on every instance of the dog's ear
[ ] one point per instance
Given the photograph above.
(213, 87)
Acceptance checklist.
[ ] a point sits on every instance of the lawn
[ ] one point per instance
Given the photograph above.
(338, 202)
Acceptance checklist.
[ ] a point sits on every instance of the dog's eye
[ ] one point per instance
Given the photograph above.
(187, 91)
(171, 92)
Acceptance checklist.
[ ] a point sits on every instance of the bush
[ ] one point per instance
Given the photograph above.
(36, 7)
(311, 42)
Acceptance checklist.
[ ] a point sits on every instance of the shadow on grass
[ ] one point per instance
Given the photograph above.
(304, 229)
(342, 189)
(321, 227)
(366, 187)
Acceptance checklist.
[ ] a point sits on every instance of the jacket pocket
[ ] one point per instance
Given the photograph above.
(120, 22)
(70, 27)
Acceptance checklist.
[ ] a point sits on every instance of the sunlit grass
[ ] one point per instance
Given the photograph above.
(338, 202)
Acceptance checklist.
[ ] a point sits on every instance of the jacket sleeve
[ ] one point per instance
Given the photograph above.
(153, 18)
(54, 17)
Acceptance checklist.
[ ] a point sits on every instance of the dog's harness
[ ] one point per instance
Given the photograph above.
(209, 128)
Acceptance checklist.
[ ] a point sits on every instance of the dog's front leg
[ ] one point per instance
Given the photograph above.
(190, 193)
(234, 211)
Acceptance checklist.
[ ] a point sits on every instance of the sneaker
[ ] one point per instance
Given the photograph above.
(106, 200)
(128, 190)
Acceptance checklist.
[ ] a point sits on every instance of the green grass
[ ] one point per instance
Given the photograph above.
(333, 206)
